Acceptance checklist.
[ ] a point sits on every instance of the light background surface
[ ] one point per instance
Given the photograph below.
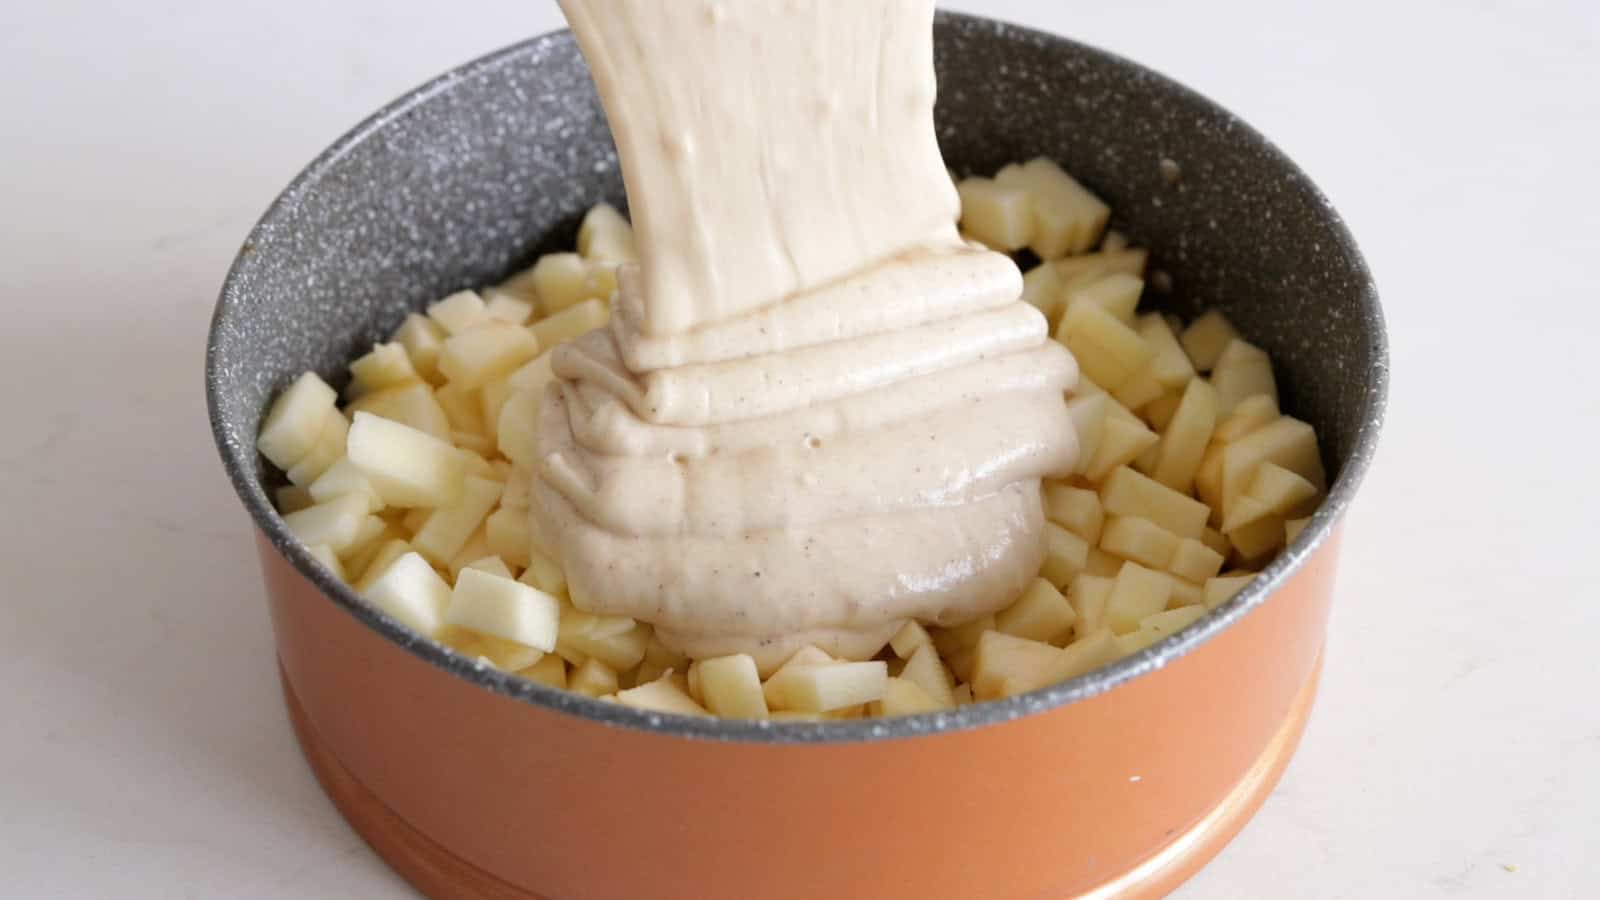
(1455, 750)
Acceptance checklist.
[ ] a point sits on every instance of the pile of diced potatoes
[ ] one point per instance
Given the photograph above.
(416, 490)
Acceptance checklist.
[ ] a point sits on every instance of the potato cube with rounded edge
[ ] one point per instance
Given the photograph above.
(661, 695)
(405, 466)
(422, 339)
(910, 636)
(1135, 593)
(1040, 614)
(1183, 445)
(1128, 493)
(385, 366)
(1206, 337)
(500, 607)
(412, 404)
(732, 687)
(457, 312)
(296, 421)
(606, 236)
(904, 698)
(1140, 540)
(1004, 665)
(999, 216)
(563, 280)
(413, 593)
(1076, 509)
(448, 529)
(580, 318)
(593, 679)
(927, 671)
(1065, 554)
(1221, 589)
(1195, 562)
(335, 523)
(550, 670)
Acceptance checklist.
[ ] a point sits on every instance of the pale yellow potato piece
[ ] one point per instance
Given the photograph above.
(1089, 595)
(492, 398)
(1092, 651)
(446, 531)
(293, 498)
(324, 554)
(329, 449)
(1183, 445)
(380, 563)
(412, 403)
(1221, 589)
(1004, 665)
(927, 671)
(1107, 350)
(1065, 554)
(509, 535)
(831, 686)
(1042, 286)
(468, 440)
(594, 678)
(565, 280)
(950, 641)
(1287, 442)
(544, 573)
(344, 478)
(1088, 412)
(1159, 625)
(1160, 412)
(910, 636)
(1195, 562)
(1121, 442)
(507, 656)
(999, 216)
(1128, 493)
(1293, 527)
(806, 656)
(370, 535)
(519, 491)
(476, 548)
(486, 350)
(1280, 490)
(731, 687)
(1078, 510)
(336, 523)
(1140, 540)
(550, 670)
(296, 421)
(494, 565)
(1102, 563)
(580, 318)
(1252, 414)
(1067, 218)
(1042, 613)
(413, 593)
(1136, 592)
(1243, 371)
(462, 406)
(1217, 541)
(1258, 538)
(1107, 262)
(496, 605)
(904, 698)
(422, 339)
(457, 312)
(1171, 365)
(1206, 337)
(1140, 390)
(385, 366)
(1117, 293)
(606, 236)
(617, 641)
(502, 305)
(516, 434)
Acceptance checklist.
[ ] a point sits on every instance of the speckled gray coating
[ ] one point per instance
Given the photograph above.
(472, 175)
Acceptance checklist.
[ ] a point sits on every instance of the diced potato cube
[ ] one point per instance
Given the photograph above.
(1160, 625)
(1040, 614)
(1117, 293)
(1171, 365)
(390, 551)
(296, 421)
(1184, 593)
(370, 535)
(516, 433)
(445, 532)
(1195, 562)
(1139, 391)
(1293, 527)
(1121, 442)
(1287, 442)
(1088, 412)
(999, 216)
(476, 548)
(1221, 589)
(1183, 446)
(335, 523)
(822, 688)
(592, 679)
(462, 406)
(904, 698)
(1075, 509)
(329, 449)
(927, 671)
(1107, 350)
(324, 554)
(410, 404)
(492, 398)
(1092, 651)
(422, 339)
(519, 490)
(494, 565)
(1106, 262)
(580, 318)
(1160, 412)
(732, 687)
(508, 535)
(617, 641)
(1128, 493)
(951, 640)
(386, 366)
(1089, 595)
(910, 636)
(1259, 537)
(498, 606)
(544, 573)
(1251, 415)
(606, 237)
(1005, 665)
(1067, 218)
(550, 670)
(1042, 286)
(1102, 563)
(413, 593)
(1280, 490)
(457, 312)
(1206, 337)
(1243, 371)
(344, 478)
(486, 350)
(1217, 541)
(405, 466)
(504, 306)
(1140, 540)
(292, 498)
(563, 280)
(661, 695)
(1065, 554)
(1136, 593)
(507, 656)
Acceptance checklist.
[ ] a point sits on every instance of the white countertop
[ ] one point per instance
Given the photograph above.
(1455, 749)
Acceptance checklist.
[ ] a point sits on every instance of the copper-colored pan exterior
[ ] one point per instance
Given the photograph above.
(476, 784)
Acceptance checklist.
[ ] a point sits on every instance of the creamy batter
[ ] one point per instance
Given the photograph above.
(817, 412)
